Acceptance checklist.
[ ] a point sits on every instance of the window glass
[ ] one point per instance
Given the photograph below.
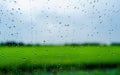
(60, 37)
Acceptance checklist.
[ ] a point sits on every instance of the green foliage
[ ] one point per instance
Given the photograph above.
(50, 55)
(48, 58)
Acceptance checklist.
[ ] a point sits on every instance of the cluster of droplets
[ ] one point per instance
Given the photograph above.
(64, 23)
(9, 19)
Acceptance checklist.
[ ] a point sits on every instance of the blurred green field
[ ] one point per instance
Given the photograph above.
(58, 55)
(42, 57)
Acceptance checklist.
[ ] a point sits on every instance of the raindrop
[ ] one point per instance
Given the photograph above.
(18, 8)
(93, 6)
(46, 50)
(61, 36)
(12, 8)
(24, 58)
(66, 24)
(94, 27)
(12, 34)
(14, 26)
(109, 32)
(100, 16)
(113, 6)
(9, 27)
(94, 1)
(68, 16)
(113, 54)
(92, 35)
(20, 13)
(32, 27)
(90, 2)
(60, 22)
(12, 20)
(97, 32)
(11, 13)
(15, 1)
(20, 21)
(75, 7)
(106, 3)
(101, 22)
(44, 41)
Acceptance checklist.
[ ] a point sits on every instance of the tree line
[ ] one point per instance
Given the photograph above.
(13, 43)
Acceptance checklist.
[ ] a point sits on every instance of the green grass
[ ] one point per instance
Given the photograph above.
(55, 56)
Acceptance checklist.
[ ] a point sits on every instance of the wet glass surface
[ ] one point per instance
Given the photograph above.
(60, 37)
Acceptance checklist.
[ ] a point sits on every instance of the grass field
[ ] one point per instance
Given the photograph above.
(54, 56)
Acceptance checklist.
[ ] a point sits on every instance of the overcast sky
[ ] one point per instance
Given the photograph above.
(60, 21)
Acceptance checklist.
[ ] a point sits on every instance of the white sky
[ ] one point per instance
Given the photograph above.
(60, 21)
